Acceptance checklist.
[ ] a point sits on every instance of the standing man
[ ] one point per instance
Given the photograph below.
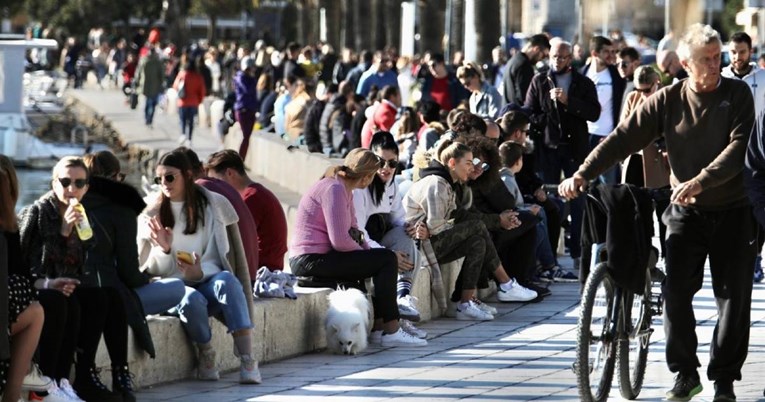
(441, 85)
(626, 62)
(741, 67)
(150, 76)
(380, 75)
(610, 87)
(561, 102)
(669, 65)
(706, 121)
(520, 69)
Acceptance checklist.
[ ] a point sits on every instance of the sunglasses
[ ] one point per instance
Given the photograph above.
(390, 163)
(645, 90)
(479, 164)
(79, 183)
(120, 177)
(169, 178)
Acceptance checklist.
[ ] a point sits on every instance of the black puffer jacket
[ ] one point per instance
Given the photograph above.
(113, 209)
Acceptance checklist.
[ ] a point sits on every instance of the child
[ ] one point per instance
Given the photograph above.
(511, 154)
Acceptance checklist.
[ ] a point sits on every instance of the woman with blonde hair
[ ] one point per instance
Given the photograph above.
(432, 202)
(328, 243)
(484, 100)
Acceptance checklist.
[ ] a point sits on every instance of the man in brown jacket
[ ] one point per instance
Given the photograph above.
(706, 121)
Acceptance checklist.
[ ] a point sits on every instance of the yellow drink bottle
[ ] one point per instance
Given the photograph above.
(84, 231)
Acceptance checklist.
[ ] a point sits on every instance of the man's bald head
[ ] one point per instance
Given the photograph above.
(492, 130)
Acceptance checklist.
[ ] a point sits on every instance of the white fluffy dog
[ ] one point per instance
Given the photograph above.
(348, 320)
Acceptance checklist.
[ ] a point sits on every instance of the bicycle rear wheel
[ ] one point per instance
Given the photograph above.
(595, 346)
(632, 347)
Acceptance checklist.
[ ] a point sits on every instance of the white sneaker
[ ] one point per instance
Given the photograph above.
(471, 312)
(182, 140)
(36, 381)
(375, 338)
(407, 308)
(517, 293)
(401, 338)
(55, 394)
(207, 370)
(67, 389)
(248, 371)
(485, 307)
(409, 328)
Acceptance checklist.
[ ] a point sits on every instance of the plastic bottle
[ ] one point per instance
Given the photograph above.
(84, 231)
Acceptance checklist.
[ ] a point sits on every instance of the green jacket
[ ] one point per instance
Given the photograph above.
(150, 76)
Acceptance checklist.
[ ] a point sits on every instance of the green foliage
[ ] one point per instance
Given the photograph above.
(76, 17)
(729, 16)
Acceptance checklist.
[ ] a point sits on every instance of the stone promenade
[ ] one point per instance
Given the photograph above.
(524, 354)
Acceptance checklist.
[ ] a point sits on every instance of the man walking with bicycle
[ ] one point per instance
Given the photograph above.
(706, 121)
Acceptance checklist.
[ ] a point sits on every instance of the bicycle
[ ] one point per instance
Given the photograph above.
(615, 325)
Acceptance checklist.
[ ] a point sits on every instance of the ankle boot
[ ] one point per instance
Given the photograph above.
(122, 382)
(89, 387)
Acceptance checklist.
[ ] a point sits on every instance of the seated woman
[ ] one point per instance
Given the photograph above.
(113, 264)
(190, 233)
(22, 314)
(328, 243)
(56, 253)
(380, 217)
(433, 200)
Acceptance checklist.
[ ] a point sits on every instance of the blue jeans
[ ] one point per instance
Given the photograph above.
(148, 110)
(187, 115)
(544, 253)
(162, 295)
(221, 293)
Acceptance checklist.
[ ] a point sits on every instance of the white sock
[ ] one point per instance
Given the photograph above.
(507, 285)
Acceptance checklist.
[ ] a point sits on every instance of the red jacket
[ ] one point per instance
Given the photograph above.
(194, 86)
(382, 120)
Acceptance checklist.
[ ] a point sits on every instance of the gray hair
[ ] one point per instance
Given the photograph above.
(561, 44)
(696, 36)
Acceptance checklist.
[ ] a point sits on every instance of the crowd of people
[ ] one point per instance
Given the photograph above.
(444, 160)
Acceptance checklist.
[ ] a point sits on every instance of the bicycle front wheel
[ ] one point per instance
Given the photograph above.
(595, 348)
(633, 344)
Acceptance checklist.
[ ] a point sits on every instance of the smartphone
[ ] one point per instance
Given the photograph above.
(185, 256)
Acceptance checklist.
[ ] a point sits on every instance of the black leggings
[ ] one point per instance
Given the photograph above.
(94, 304)
(379, 264)
(116, 329)
(59, 334)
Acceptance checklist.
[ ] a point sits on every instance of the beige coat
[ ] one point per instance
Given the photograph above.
(227, 238)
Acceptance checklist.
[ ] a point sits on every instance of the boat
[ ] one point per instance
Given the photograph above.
(22, 94)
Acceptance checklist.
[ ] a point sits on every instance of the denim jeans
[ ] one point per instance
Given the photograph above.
(552, 162)
(545, 254)
(221, 293)
(187, 115)
(162, 295)
(148, 110)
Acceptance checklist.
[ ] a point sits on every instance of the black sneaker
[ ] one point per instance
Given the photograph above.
(724, 391)
(686, 386)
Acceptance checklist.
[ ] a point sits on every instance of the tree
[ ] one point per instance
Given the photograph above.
(214, 9)
(729, 25)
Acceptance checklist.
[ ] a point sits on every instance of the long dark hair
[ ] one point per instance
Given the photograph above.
(194, 199)
(381, 140)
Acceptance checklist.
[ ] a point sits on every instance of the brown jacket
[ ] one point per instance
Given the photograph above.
(706, 136)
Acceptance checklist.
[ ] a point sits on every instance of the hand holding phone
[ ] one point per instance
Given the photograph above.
(185, 256)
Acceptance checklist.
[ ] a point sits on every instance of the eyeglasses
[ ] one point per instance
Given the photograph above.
(390, 163)
(624, 63)
(169, 178)
(79, 183)
(479, 164)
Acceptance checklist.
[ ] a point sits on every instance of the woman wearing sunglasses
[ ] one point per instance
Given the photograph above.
(381, 218)
(191, 234)
(328, 243)
(56, 255)
(113, 264)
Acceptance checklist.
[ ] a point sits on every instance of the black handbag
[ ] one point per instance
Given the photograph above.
(133, 100)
